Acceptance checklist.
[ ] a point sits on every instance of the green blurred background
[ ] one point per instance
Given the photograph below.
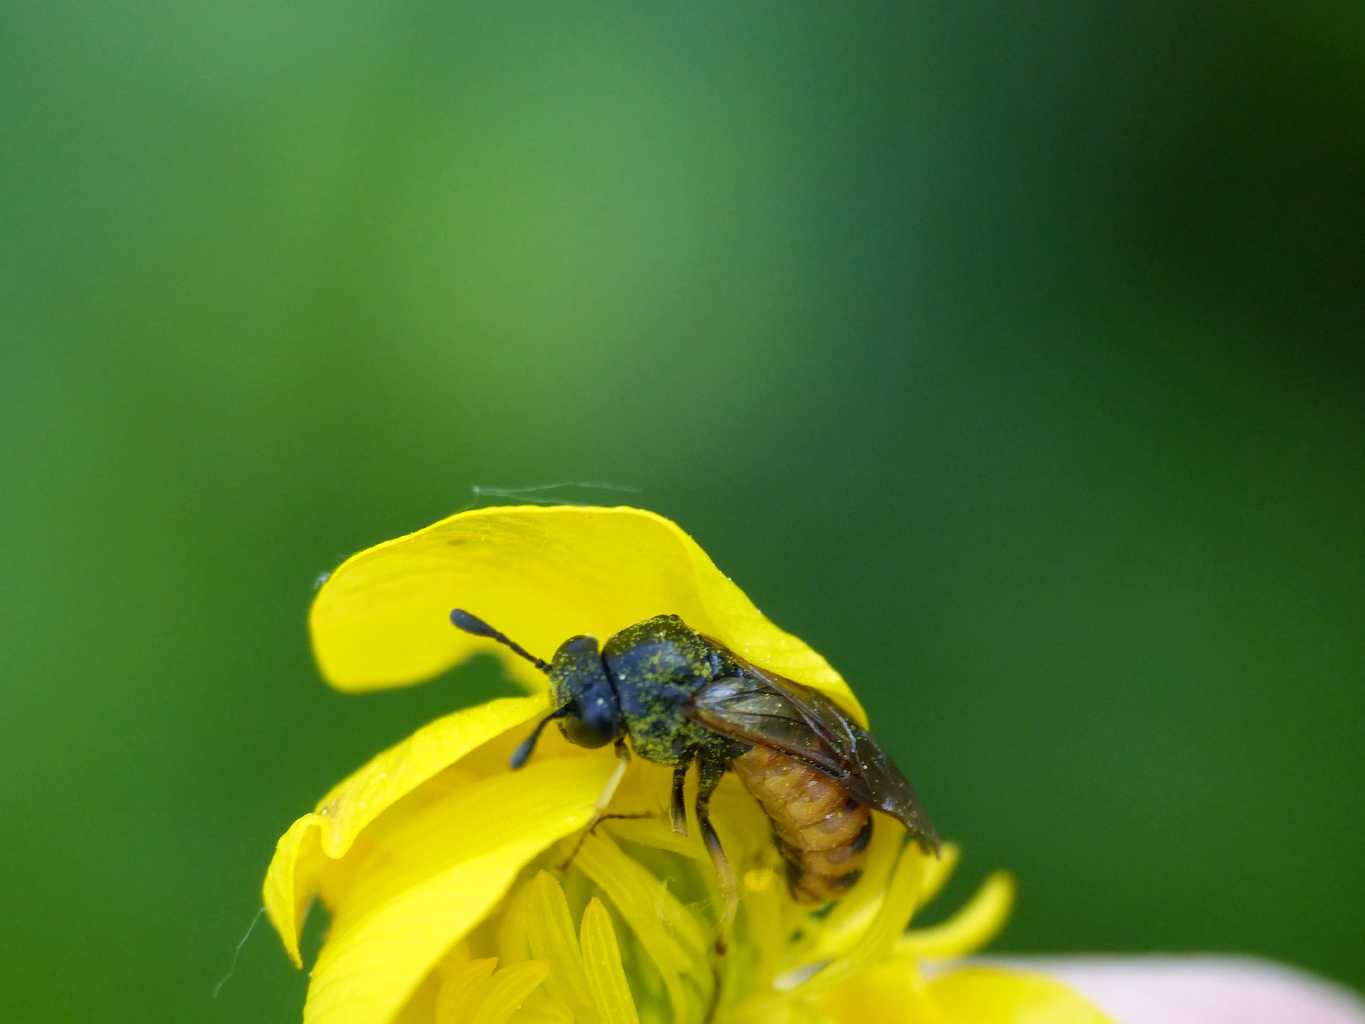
(1009, 358)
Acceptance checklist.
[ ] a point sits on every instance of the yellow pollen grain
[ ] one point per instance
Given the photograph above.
(760, 879)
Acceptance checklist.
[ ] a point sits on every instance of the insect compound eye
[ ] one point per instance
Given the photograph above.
(588, 732)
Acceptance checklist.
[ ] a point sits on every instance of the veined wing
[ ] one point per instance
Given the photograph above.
(768, 710)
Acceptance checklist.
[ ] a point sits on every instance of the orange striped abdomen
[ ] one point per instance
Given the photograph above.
(821, 831)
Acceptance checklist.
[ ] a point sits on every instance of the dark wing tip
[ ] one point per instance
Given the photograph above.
(928, 840)
(917, 826)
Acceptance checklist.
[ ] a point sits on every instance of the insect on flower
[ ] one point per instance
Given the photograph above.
(679, 697)
(435, 862)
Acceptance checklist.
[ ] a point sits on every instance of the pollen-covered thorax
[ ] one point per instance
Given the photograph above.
(658, 665)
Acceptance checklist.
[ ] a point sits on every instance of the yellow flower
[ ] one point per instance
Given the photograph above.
(444, 872)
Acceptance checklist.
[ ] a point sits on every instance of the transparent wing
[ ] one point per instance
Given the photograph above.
(768, 710)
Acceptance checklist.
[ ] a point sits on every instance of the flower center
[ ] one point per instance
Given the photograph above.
(638, 901)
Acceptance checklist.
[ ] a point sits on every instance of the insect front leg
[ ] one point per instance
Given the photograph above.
(710, 770)
(678, 808)
(613, 783)
(599, 814)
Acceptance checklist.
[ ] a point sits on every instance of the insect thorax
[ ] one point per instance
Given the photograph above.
(657, 665)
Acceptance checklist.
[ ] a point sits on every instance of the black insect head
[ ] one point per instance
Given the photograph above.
(586, 706)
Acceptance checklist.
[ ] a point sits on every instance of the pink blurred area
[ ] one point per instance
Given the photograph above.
(1202, 990)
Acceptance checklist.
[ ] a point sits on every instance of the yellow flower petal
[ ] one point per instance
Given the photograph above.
(507, 991)
(991, 995)
(459, 988)
(902, 896)
(436, 885)
(877, 940)
(510, 933)
(668, 931)
(885, 994)
(937, 871)
(551, 937)
(357, 801)
(291, 882)
(852, 915)
(605, 976)
(421, 1008)
(895, 993)
(540, 574)
(540, 1009)
(659, 836)
(969, 929)
(768, 921)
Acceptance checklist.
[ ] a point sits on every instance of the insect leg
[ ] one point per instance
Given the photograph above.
(678, 809)
(613, 783)
(710, 771)
(603, 800)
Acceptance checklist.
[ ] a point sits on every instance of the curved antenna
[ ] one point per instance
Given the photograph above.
(523, 752)
(472, 624)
